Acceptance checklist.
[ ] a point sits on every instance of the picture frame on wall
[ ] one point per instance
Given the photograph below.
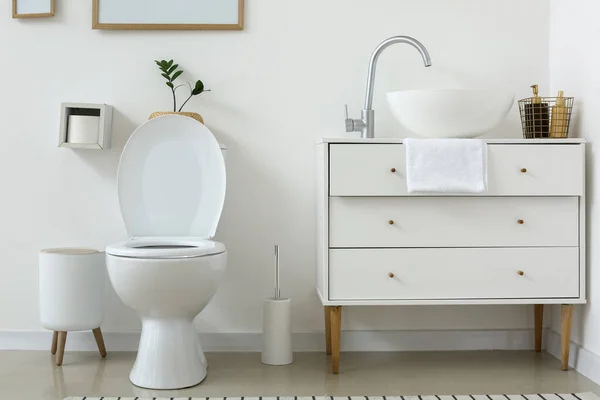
(32, 8)
(168, 14)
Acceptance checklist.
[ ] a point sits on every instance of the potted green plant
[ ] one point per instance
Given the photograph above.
(170, 71)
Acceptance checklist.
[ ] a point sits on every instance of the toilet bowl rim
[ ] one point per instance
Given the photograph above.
(150, 248)
(164, 257)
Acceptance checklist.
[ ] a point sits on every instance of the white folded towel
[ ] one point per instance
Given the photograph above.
(446, 165)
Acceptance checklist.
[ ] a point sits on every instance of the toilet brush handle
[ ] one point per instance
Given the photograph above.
(277, 290)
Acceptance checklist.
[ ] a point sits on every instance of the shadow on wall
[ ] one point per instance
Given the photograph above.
(590, 195)
(252, 219)
(123, 128)
(106, 162)
(577, 117)
(238, 225)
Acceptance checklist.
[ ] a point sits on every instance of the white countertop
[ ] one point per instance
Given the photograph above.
(383, 140)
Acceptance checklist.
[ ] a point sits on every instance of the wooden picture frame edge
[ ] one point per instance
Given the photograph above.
(167, 27)
(39, 15)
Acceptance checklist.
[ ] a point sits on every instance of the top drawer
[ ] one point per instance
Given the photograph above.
(513, 170)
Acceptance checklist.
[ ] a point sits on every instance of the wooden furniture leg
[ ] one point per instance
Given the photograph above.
(327, 330)
(62, 340)
(99, 341)
(566, 312)
(336, 330)
(54, 342)
(539, 326)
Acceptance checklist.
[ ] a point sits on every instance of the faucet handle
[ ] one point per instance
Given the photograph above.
(349, 121)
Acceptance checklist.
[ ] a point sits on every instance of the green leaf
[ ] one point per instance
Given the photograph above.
(169, 84)
(168, 64)
(162, 65)
(173, 68)
(199, 88)
(176, 75)
(167, 77)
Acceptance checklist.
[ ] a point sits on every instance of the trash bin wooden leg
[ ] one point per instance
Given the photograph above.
(54, 342)
(60, 352)
(100, 341)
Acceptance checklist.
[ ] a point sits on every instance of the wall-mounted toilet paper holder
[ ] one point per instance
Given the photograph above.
(85, 126)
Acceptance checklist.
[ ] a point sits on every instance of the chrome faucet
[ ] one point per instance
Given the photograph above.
(366, 124)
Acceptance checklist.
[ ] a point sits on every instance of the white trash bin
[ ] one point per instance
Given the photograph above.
(72, 294)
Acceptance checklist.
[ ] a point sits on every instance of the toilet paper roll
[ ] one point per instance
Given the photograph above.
(277, 332)
(83, 129)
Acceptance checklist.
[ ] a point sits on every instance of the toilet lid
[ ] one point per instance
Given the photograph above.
(172, 180)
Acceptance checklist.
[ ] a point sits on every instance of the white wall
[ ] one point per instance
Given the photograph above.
(575, 68)
(277, 86)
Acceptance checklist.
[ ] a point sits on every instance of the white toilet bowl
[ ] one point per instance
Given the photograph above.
(171, 191)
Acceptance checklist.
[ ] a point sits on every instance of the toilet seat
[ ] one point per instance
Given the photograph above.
(165, 248)
(171, 180)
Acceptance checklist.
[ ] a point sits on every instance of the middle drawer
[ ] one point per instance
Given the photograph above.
(453, 221)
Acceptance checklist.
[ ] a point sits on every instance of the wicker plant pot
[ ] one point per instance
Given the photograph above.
(193, 115)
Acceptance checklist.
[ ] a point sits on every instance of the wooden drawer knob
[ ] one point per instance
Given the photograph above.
(521, 273)
(523, 170)
(393, 170)
(391, 222)
(391, 275)
(521, 222)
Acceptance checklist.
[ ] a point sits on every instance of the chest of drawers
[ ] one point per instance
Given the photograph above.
(521, 242)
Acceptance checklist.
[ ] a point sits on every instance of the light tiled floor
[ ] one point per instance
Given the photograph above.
(32, 375)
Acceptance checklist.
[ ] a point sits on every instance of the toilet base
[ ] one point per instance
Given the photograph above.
(169, 356)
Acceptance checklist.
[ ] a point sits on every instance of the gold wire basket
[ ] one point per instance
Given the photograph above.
(546, 117)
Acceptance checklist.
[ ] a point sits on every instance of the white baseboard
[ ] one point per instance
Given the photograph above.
(584, 361)
(450, 340)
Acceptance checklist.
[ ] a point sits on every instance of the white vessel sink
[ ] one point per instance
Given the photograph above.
(450, 113)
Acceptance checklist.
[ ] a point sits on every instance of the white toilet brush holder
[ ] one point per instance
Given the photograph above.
(277, 325)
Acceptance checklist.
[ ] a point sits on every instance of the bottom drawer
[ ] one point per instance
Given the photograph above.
(461, 273)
